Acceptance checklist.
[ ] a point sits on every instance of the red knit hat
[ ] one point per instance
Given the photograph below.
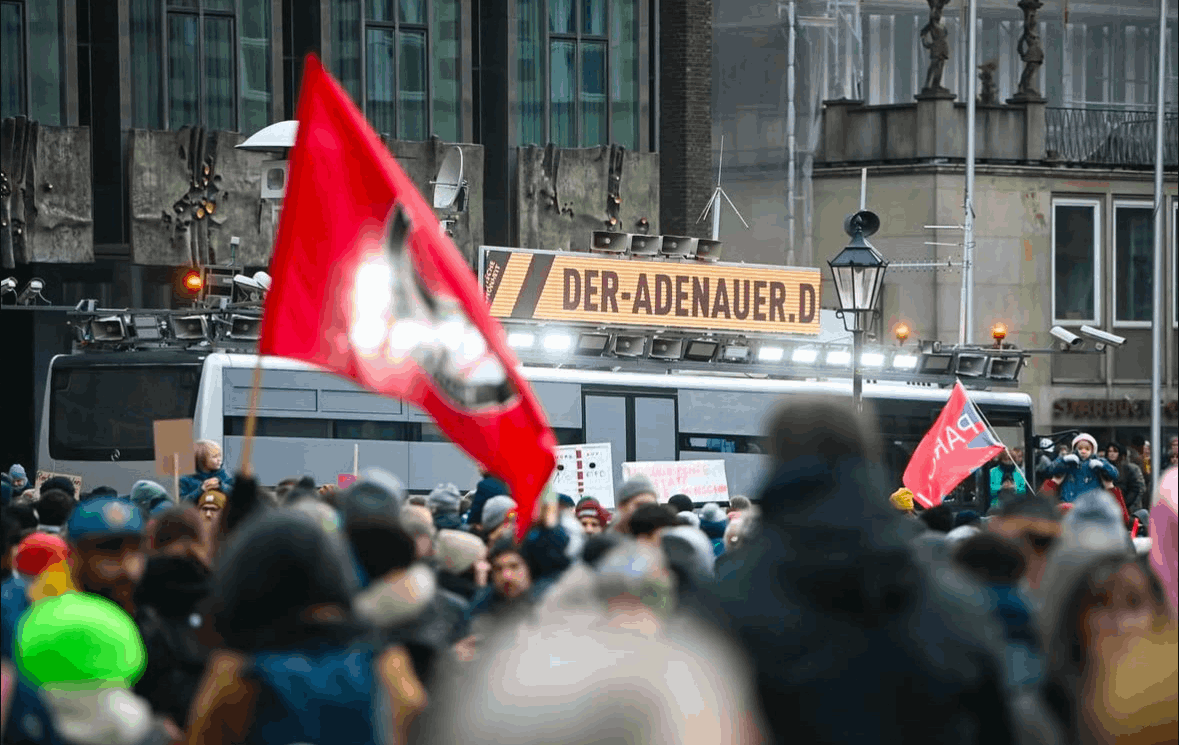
(38, 552)
(590, 507)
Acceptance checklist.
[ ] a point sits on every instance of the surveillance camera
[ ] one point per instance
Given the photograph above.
(1069, 338)
(1102, 337)
(8, 285)
(31, 292)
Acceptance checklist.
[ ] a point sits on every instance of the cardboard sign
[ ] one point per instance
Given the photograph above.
(551, 286)
(585, 471)
(345, 480)
(174, 437)
(702, 480)
(43, 476)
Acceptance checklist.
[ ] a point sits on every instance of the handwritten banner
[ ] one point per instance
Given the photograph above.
(585, 471)
(702, 480)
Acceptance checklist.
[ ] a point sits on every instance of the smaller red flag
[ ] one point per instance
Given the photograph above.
(959, 442)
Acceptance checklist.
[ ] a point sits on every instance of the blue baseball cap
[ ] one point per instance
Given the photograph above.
(105, 517)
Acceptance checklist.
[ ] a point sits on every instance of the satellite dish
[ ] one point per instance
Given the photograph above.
(449, 182)
(275, 138)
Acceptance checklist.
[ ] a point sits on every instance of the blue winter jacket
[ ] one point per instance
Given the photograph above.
(1080, 478)
(190, 486)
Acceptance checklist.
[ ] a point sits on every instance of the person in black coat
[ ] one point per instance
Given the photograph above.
(852, 639)
(173, 615)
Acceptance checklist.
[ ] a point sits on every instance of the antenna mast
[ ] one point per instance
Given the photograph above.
(714, 203)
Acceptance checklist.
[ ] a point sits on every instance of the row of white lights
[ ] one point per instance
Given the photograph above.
(559, 342)
(551, 342)
(836, 357)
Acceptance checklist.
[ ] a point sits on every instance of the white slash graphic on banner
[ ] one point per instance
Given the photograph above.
(585, 471)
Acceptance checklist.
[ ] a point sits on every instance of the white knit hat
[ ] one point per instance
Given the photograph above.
(1085, 436)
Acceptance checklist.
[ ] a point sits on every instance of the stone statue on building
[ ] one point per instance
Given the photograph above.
(936, 39)
(1031, 51)
(988, 91)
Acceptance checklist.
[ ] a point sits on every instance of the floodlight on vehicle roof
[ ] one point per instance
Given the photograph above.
(521, 340)
(804, 355)
(701, 350)
(147, 327)
(557, 342)
(737, 352)
(592, 344)
(904, 361)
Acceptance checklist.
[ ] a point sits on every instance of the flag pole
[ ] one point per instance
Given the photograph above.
(251, 420)
(996, 434)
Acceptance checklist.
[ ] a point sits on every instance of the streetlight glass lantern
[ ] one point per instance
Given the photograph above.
(858, 272)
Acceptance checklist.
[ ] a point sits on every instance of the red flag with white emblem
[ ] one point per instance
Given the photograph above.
(959, 442)
(366, 284)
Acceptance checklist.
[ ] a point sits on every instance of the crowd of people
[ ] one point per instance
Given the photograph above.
(821, 610)
(1122, 470)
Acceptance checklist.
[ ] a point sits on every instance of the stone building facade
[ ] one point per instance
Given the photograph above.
(120, 120)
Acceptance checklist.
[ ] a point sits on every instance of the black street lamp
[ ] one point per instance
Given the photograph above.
(858, 272)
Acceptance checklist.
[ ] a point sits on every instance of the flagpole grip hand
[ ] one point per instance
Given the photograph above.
(1070, 458)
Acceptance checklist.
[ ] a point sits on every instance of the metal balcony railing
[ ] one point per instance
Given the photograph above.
(1110, 137)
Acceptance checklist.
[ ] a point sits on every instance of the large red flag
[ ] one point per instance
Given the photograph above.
(366, 284)
(959, 442)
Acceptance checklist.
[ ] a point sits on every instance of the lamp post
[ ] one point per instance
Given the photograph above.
(858, 272)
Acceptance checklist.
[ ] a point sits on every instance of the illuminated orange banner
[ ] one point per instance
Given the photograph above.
(549, 286)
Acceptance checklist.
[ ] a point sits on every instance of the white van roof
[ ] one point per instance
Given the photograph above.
(884, 390)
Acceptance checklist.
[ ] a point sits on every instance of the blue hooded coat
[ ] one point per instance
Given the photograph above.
(190, 486)
(1080, 477)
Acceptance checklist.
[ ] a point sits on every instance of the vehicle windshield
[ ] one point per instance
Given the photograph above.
(106, 413)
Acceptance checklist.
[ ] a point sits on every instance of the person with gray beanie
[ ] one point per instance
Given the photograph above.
(150, 496)
(634, 492)
(499, 518)
(444, 503)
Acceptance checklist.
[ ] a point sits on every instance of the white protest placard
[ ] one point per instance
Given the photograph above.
(702, 480)
(585, 471)
(43, 476)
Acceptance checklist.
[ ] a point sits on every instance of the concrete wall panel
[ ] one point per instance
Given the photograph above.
(49, 211)
(563, 195)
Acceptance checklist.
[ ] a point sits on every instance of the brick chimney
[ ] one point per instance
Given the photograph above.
(685, 116)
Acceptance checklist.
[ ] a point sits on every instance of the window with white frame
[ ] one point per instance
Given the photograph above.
(1133, 263)
(1076, 270)
(400, 61)
(200, 62)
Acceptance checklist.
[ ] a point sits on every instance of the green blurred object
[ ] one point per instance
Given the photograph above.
(79, 640)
